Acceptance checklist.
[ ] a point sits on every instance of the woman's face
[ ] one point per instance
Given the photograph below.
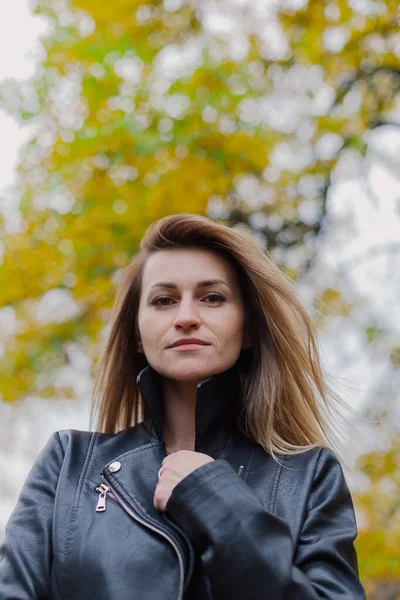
(190, 293)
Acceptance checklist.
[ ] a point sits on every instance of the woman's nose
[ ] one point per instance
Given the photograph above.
(187, 316)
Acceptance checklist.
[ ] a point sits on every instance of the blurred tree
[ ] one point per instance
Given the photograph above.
(378, 540)
(147, 108)
(239, 110)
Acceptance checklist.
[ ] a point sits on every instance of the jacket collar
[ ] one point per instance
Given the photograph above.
(217, 405)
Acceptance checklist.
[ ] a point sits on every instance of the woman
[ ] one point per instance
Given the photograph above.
(220, 483)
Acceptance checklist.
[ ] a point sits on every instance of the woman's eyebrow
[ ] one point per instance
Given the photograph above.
(205, 283)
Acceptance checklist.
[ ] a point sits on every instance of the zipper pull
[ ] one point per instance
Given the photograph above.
(240, 470)
(101, 503)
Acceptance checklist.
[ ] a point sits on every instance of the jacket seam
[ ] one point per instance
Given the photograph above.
(74, 512)
(275, 485)
(57, 437)
(312, 482)
(61, 446)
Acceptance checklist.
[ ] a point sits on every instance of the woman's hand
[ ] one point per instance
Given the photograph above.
(176, 467)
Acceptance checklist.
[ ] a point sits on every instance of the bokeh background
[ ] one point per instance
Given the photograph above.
(278, 116)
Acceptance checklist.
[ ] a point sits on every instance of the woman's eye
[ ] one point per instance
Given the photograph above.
(161, 301)
(212, 298)
(217, 298)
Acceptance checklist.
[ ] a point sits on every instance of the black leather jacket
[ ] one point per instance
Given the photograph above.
(239, 528)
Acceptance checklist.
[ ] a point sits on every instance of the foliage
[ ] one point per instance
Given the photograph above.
(141, 109)
(378, 540)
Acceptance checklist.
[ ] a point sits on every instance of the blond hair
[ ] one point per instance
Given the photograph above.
(285, 399)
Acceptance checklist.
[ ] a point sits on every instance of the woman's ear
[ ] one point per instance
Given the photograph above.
(140, 347)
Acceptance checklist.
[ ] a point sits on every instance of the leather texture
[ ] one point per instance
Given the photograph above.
(243, 527)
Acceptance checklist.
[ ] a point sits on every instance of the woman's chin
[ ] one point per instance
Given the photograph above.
(189, 372)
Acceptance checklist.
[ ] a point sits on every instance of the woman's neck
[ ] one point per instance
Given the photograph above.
(179, 414)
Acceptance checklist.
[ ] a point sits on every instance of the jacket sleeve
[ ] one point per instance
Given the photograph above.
(26, 554)
(248, 552)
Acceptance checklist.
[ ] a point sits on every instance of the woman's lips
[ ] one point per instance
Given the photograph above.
(186, 347)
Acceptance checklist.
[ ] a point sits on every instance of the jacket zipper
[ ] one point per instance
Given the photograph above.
(105, 489)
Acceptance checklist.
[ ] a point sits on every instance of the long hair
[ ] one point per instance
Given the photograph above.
(286, 403)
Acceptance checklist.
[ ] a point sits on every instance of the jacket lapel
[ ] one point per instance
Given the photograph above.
(134, 475)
